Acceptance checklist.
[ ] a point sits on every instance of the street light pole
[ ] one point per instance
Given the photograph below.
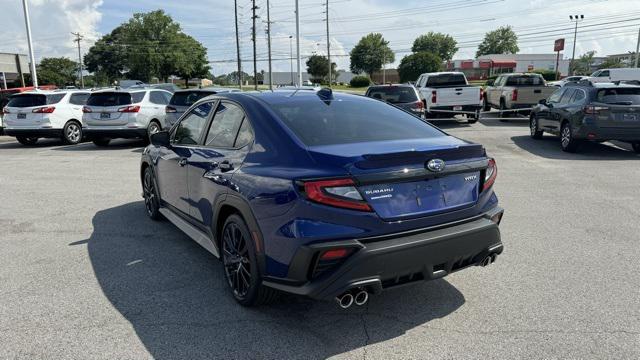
(34, 76)
(638, 48)
(298, 43)
(291, 57)
(80, 75)
(576, 19)
(328, 43)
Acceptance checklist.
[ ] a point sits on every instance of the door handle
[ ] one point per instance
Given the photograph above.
(182, 162)
(225, 166)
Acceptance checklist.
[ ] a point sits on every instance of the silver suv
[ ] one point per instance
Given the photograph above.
(183, 99)
(120, 113)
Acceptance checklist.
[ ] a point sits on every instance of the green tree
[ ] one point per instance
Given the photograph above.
(500, 41)
(583, 64)
(440, 44)
(411, 66)
(58, 71)
(106, 59)
(611, 64)
(371, 52)
(318, 68)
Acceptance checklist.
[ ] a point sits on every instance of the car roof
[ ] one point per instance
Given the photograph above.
(51, 92)
(208, 90)
(284, 96)
(444, 73)
(392, 85)
(601, 85)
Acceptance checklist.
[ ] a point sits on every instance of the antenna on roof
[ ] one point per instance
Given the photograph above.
(325, 94)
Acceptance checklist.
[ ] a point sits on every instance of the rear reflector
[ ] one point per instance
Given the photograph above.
(481, 94)
(490, 175)
(338, 192)
(335, 254)
(130, 109)
(86, 109)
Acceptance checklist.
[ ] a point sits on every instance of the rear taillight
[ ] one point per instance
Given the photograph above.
(481, 94)
(514, 95)
(44, 110)
(419, 105)
(434, 97)
(5, 111)
(490, 174)
(130, 109)
(338, 192)
(594, 110)
(86, 109)
(170, 109)
(334, 254)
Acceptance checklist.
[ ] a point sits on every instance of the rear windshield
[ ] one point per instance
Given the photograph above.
(350, 121)
(394, 94)
(31, 100)
(109, 99)
(619, 96)
(188, 98)
(525, 80)
(446, 80)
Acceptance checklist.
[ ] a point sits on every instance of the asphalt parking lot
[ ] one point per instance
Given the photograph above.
(85, 274)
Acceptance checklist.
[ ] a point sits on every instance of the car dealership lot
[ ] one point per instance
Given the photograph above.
(84, 273)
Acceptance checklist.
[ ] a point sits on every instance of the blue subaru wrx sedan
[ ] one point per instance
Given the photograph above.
(322, 194)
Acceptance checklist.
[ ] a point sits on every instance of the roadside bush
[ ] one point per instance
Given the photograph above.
(548, 75)
(360, 81)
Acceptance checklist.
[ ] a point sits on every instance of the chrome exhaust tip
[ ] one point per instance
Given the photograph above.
(361, 298)
(345, 300)
(486, 261)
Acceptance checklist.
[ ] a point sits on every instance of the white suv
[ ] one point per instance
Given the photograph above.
(119, 113)
(45, 114)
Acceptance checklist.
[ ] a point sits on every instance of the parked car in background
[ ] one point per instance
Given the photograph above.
(447, 94)
(516, 91)
(45, 114)
(404, 96)
(612, 75)
(589, 112)
(166, 86)
(568, 79)
(122, 113)
(183, 99)
(5, 94)
(322, 194)
(130, 83)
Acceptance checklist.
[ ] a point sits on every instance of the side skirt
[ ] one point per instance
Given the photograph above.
(193, 232)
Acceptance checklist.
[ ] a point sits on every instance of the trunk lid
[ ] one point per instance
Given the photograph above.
(456, 96)
(533, 94)
(393, 176)
(617, 107)
(20, 110)
(104, 108)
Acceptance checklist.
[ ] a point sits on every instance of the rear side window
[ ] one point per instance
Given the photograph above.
(79, 99)
(225, 125)
(393, 94)
(22, 101)
(55, 98)
(317, 122)
(578, 96)
(525, 80)
(446, 80)
(189, 130)
(157, 97)
(187, 98)
(619, 96)
(137, 97)
(109, 99)
(566, 97)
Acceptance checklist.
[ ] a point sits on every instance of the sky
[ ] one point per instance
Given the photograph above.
(609, 27)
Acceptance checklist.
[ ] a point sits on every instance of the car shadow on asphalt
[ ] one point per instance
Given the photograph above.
(118, 144)
(172, 292)
(549, 147)
(40, 144)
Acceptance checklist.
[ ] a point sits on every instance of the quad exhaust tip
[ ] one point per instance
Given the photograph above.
(361, 298)
(357, 296)
(345, 300)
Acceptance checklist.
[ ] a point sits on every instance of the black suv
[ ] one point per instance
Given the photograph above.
(586, 111)
(404, 96)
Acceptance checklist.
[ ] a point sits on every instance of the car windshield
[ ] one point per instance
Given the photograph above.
(619, 96)
(188, 98)
(346, 121)
(394, 94)
(525, 80)
(109, 99)
(446, 80)
(30, 100)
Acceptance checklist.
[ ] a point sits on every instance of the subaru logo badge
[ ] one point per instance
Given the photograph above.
(435, 165)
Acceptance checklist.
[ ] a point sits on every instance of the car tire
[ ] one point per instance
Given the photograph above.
(27, 140)
(502, 114)
(150, 195)
(472, 120)
(72, 133)
(485, 104)
(239, 262)
(534, 129)
(636, 147)
(567, 141)
(101, 142)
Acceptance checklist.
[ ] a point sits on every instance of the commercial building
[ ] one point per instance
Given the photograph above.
(489, 65)
(12, 68)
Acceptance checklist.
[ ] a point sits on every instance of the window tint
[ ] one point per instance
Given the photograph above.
(79, 99)
(30, 100)
(167, 97)
(568, 93)
(393, 94)
(346, 121)
(55, 98)
(190, 129)
(578, 96)
(603, 73)
(446, 80)
(188, 98)
(225, 125)
(157, 97)
(525, 80)
(245, 135)
(109, 99)
(555, 97)
(619, 96)
(137, 97)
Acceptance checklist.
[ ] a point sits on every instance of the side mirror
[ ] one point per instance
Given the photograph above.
(161, 138)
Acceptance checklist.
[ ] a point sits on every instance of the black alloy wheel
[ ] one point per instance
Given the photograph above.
(536, 133)
(150, 195)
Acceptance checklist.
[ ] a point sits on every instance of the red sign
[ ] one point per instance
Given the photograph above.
(558, 45)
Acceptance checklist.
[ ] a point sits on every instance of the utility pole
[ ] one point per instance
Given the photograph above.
(269, 46)
(235, 3)
(576, 19)
(384, 68)
(34, 76)
(328, 43)
(291, 57)
(80, 76)
(298, 43)
(255, 62)
(638, 48)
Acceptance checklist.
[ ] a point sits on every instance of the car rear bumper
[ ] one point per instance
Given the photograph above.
(602, 134)
(382, 263)
(34, 132)
(114, 132)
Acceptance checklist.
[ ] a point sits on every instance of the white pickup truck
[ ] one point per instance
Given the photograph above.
(447, 94)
